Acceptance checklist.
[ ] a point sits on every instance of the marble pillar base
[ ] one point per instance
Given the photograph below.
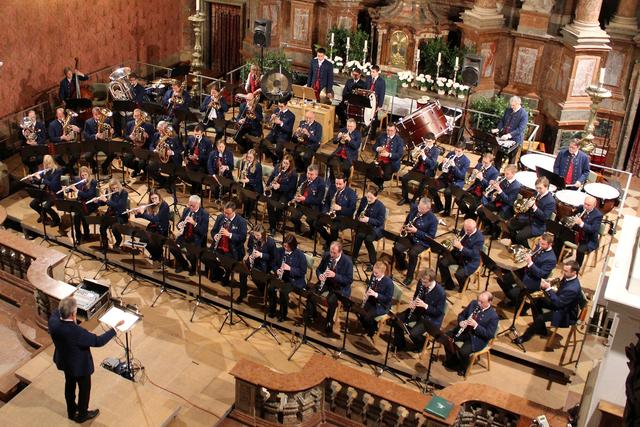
(623, 27)
(483, 18)
(585, 35)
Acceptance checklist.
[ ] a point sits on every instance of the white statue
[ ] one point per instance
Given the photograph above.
(540, 6)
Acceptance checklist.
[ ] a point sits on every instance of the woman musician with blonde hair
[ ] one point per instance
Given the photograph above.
(251, 178)
(86, 190)
(116, 200)
(50, 180)
(157, 213)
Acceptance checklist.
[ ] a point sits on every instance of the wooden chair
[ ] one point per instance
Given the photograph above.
(428, 342)
(426, 255)
(395, 308)
(572, 337)
(310, 263)
(475, 358)
(476, 276)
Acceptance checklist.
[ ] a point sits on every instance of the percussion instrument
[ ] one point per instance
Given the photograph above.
(607, 195)
(429, 119)
(528, 181)
(534, 160)
(568, 201)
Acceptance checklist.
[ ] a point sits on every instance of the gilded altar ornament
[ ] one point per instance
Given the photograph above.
(399, 47)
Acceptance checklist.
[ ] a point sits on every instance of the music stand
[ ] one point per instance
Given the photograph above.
(396, 238)
(367, 170)
(73, 207)
(357, 227)
(78, 104)
(385, 367)
(490, 264)
(42, 196)
(147, 156)
(554, 178)
(163, 287)
(309, 295)
(459, 195)
(348, 306)
(495, 219)
(231, 265)
(267, 279)
(313, 217)
(359, 101)
(246, 194)
(125, 106)
(562, 234)
(278, 206)
(131, 317)
(524, 292)
(107, 221)
(128, 230)
(201, 256)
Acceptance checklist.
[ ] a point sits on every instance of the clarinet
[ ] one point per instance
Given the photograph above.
(224, 225)
(371, 284)
(252, 259)
(281, 269)
(421, 289)
(471, 316)
(330, 266)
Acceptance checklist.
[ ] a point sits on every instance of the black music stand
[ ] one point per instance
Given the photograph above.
(524, 292)
(231, 265)
(490, 265)
(437, 336)
(385, 367)
(106, 221)
(163, 286)
(42, 196)
(278, 206)
(308, 295)
(129, 230)
(394, 237)
(73, 207)
(562, 234)
(123, 106)
(554, 178)
(348, 306)
(202, 255)
(78, 104)
(147, 156)
(313, 217)
(368, 171)
(359, 101)
(495, 219)
(267, 279)
(246, 194)
(357, 227)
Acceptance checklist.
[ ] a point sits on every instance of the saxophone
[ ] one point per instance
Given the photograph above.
(332, 212)
(301, 189)
(404, 232)
(363, 213)
(268, 190)
(245, 172)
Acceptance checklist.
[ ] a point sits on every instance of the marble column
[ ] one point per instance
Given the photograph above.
(585, 29)
(624, 23)
(483, 15)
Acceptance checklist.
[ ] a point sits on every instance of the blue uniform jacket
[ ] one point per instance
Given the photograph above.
(55, 130)
(227, 159)
(117, 204)
(490, 175)
(514, 123)
(148, 128)
(580, 165)
(315, 134)
(220, 111)
(565, 302)
(427, 225)
(591, 227)
(238, 228)
(285, 130)
(202, 226)
(543, 265)
(180, 107)
(351, 84)
(86, 192)
(397, 148)
(255, 125)
(376, 213)
(487, 325)
(205, 149)
(268, 250)
(41, 134)
(436, 300)
(430, 161)
(508, 196)
(298, 263)
(174, 144)
(470, 252)
(347, 200)
(315, 192)
(91, 129)
(51, 181)
(379, 88)
(344, 273)
(255, 177)
(546, 206)
(287, 183)
(326, 74)
(158, 223)
(384, 288)
(458, 171)
(67, 88)
(352, 146)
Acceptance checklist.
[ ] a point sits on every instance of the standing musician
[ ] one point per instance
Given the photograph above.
(355, 82)
(425, 312)
(419, 224)
(282, 187)
(282, 121)
(513, 125)
(466, 255)
(426, 164)
(261, 250)
(50, 180)
(389, 148)
(377, 85)
(214, 107)
(454, 170)
(229, 233)
(502, 194)
(348, 141)
(176, 100)
(563, 304)
(138, 132)
(220, 163)
(97, 128)
(540, 262)
(248, 121)
(32, 133)
(85, 192)
(193, 227)
(252, 85)
(116, 203)
(371, 211)
(340, 202)
(310, 194)
(478, 181)
(320, 76)
(197, 155)
(307, 135)
(533, 222)
(251, 179)
(158, 214)
(68, 84)
(291, 267)
(477, 325)
(587, 223)
(335, 276)
(572, 164)
(377, 299)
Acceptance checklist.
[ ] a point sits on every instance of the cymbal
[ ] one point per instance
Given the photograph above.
(163, 81)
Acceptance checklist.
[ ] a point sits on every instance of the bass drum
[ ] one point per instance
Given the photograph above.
(429, 119)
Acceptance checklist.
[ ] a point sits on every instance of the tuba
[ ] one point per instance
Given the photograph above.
(163, 146)
(28, 127)
(119, 87)
(521, 206)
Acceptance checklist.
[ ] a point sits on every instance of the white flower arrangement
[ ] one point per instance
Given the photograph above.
(366, 68)
(405, 76)
(462, 91)
(338, 62)
(354, 65)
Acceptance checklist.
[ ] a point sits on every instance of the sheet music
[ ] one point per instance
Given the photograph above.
(114, 315)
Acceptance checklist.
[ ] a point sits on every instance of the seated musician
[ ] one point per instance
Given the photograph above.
(588, 220)
(572, 164)
(197, 155)
(425, 312)
(377, 85)
(248, 122)
(157, 212)
(176, 102)
(466, 255)
(166, 141)
(389, 148)
(563, 304)
(484, 173)
(348, 141)
(91, 133)
(229, 233)
(282, 187)
(214, 107)
(194, 223)
(117, 202)
(32, 134)
(251, 179)
(476, 326)
(309, 193)
(373, 212)
(290, 266)
(426, 164)
(512, 125)
(377, 300)
(50, 180)
(67, 87)
(320, 76)
(85, 192)
(355, 82)
(60, 133)
(307, 136)
(454, 170)
(533, 222)
(221, 163)
(252, 85)
(138, 131)
(282, 121)
(261, 250)
(137, 90)
(419, 224)
(341, 200)
(539, 265)
(503, 194)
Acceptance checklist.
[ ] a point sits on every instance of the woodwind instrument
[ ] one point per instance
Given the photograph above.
(35, 174)
(332, 212)
(363, 213)
(138, 207)
(330, 266)
(268, 190)
(473, 316)
(218, 237)
(372, 284)
(183, 228)
(280, 272)
(95, 199)
(299, 192)
(70, 186)
(410, 223)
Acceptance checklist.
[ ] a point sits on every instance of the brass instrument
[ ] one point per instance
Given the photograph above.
(67, 127)
(28, 127)
(554, 282)
(417, 151)
(272, 119)
(301, 134)
(35, 174)
(214, 105)
(138, 207)
(332, 212)
(163, 147)
(450, 161)
(95, 199)
(120, 87)
(404, 232)
(343, 138)
(521, 206)
(474, 174)
(299, 192)
(137, 133)
(519, 253)
(102, 127)
(570, 221)
(182, 225)
(177, 98)
(491, 189)
(448, 244)
(363, 214)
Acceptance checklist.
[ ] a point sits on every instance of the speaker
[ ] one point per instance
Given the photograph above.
(471, 67)
(262, 32)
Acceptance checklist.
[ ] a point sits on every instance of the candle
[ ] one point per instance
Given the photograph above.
(197, 5)
(456, 66)
(439, 57)
(332, 37)
(365, 45)
(602, 71)
(348, 42)
(417, 55)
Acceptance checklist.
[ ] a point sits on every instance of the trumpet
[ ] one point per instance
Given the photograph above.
(450, 161)
(570, 221)
(474, 175)
(70, 186)
(35, 174)
(299, 191)
(95, 199)
(417, 151)
(343, 138)
(404, 232)
(139, 207)
(493, 187)
(521, 206)
(272, 120)
(301, 134)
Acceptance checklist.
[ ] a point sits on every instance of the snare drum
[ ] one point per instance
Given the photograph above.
(607, 195)
(429, 119)
(528, 181)
(568, 201)
(534, 160)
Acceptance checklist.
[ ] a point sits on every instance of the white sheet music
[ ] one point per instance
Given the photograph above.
(114, 315)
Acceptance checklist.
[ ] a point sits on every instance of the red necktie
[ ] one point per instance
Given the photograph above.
(373, 84)
(568, 179)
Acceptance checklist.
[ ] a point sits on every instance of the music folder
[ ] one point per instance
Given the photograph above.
(115, 314)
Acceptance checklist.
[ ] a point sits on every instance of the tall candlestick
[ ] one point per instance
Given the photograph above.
(602, 71)
(348, 42)
(439, 57)
(456, 66)
(197, 5)
(332, 38)
(365, 45)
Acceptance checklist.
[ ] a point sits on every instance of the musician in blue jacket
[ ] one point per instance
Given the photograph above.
(261, 248)
(91, 133)
(348, 141)
(140, 139)
(117, 203)
(85, 192)
(251, 179)
(513, 124)
(158, 217)
(50, 180)
(72, 355)
(310, 194)
(378, 86)
(196, 155)
(477, 325)
(533, 222)
(373, 212)
(57, 135)
(564, 304)
(195, 221)
(307, 136)
(335, 276)
(501, 199)
(175, 146)
(572, 164)
(320, 76)
(67, 87)
(485, 172)
(221, 162)
(33, 135)
(355, 82)
(214, 107)
(228, 235)
(281, 186)
(248, 122)
(176, 110)
(282, 121)
(341, 200)
(378, 298)
(389, 148)
(291, 266)
(425, 165)
(419, 225)
(137, 90)
(465, 254)
(425, 312)
(454, 171)
(588, 221)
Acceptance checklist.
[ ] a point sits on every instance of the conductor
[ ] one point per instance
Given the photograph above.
(73, 356)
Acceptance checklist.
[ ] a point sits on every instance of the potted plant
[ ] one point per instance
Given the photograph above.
(462, 91)
(440, 85)
(405, 78)
(338, 63)
(421, 81)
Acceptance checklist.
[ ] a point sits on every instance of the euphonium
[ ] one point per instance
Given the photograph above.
(138, 131)
(491, 189)
(66, 124)
(448, 244)
(521, 206)
(120, 86)
(163, 148)
(28, 127)
(103, 127)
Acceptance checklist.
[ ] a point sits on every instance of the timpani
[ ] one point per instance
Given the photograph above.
(532, 161)
(607, 195)
(528, 181)
(568, 201)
